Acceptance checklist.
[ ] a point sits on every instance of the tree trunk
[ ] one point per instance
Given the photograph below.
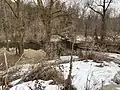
(95, 35)
(47, 41)
(48, 44)
(80, 54)
(21, 43)
(5, 27)
(7, 42)
(68, 84)
(103, 29)
(21, 48)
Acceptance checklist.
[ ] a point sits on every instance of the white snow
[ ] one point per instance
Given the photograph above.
(14, 82)
(32, 84)
(68, 57)
(82, 38)
(117, 88)
(87, 71)
(84, 74)
(114, 55)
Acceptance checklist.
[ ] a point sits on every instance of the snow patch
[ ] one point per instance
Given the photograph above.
(45, 85)
(86, 74)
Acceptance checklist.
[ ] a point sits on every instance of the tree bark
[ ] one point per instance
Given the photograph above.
(21, 44)
(5, 27)
(103, 29)
(7, 41)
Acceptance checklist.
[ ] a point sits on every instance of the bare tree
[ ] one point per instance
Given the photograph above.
(19, 31)
(104, 5)
(47, 15)
(5, 25)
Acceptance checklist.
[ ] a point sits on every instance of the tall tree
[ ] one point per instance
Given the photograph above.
(5, 23)
(104, 5)
(48, 14)
(19, 30)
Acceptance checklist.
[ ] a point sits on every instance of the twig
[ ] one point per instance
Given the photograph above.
(11, 8)
(19, 59)
(6, 63)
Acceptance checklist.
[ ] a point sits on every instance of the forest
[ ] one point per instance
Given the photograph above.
(59, 44)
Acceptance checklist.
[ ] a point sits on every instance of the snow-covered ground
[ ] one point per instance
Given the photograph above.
(84, 74)
(88, 74)
(42, 85)
(69, 57)
(113, 55)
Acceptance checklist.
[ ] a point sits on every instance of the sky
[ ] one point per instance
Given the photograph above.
(115, 5)
(70, 2)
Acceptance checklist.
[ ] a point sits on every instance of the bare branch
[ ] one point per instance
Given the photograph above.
(98, 4)
(40, 4)
(55, 1)
(84, 11)
(63, 14)
(56, 12)
(15, 1)
(11, 8)
(108, 5)
(95, 10)
(60, 16)
(34, 2)
(6, 63)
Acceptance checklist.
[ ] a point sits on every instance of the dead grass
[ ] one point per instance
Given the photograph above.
(34, 54)
(97, 56)
(45, 72)
(30, 57)
(11, 61)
